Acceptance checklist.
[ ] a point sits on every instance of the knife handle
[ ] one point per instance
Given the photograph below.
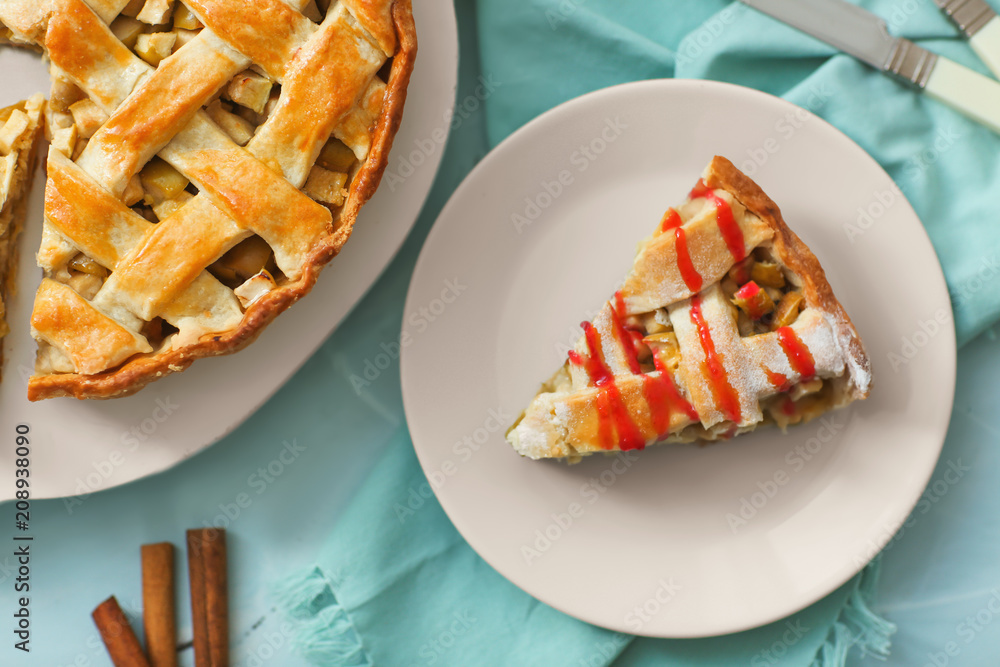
(986, 44)
(966, 91)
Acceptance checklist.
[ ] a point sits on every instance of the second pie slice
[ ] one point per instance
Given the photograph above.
(20, 126)
(725, 322)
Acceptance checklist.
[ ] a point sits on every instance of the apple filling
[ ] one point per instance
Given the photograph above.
(766, 298)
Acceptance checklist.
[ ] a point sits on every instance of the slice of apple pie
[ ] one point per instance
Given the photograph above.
(19, 129)
(725, 322)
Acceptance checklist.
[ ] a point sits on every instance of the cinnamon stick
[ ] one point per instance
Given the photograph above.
(158, 610)
(209, 601)
(121, 642)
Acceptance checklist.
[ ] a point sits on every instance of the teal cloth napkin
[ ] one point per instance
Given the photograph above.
(396, 585)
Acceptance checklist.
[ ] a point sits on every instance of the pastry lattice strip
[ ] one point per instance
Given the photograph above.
(148, 279)
(755, 368)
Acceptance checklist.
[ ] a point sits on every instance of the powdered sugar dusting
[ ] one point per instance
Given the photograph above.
(539, 434)
(656, 280)
(861, 376)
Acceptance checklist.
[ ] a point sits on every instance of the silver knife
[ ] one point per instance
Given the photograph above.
(980, 24)
(865, 36)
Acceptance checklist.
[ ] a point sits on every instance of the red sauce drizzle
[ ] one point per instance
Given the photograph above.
(575, 358)
(628, 343)
(691, 277)
(629, 436)
(777, 379)
(663, 398)
(659, 409)
(596, 370)
(605, 434)
(750, 293)
(731, 232)
(699, 190)
(725, 395)
(619, 304)
(671, 220)
(611, 409)
(799, 357)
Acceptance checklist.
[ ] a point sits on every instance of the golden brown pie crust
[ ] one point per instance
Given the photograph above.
(136, 373)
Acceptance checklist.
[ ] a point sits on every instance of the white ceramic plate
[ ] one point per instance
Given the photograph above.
(681, 541)
(85, 446)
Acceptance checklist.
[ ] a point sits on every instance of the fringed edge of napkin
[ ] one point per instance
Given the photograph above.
(323, 632)
(858, 625)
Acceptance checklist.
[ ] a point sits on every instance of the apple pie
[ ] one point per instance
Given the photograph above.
(207, 158)
(725, 322)
(20, 126)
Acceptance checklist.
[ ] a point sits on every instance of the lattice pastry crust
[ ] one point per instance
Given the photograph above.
(207, 159)
(725, 322)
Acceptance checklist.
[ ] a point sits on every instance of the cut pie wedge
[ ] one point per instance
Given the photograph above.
(725, 322)
(207, 158)
(20, 126)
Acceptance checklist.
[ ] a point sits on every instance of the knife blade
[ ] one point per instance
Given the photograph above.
(865, 36)
(980, 24)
